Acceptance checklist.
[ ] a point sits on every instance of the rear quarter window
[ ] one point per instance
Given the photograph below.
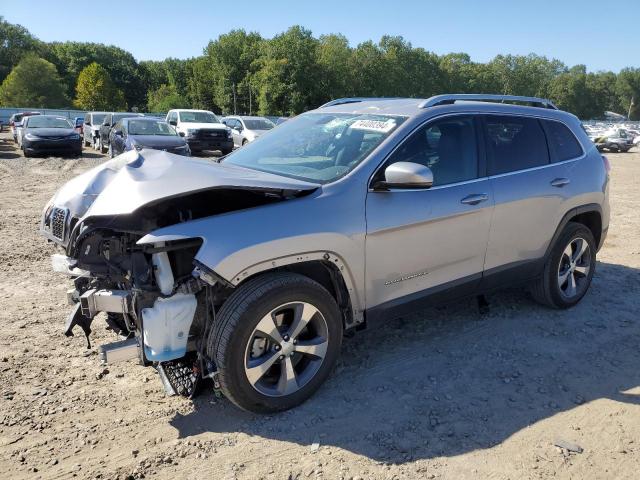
(514, 143)
(563, 145)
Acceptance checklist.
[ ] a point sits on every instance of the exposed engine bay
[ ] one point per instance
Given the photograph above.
(157, 298)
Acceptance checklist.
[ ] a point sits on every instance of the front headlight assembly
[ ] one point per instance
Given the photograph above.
(31, 136)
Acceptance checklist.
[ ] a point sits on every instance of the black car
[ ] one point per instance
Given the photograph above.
(50, 134)
(110, 119)
(145, 132)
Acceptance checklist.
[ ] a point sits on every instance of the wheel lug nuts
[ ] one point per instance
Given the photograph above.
(281, 357)
(277, 348)
(286, 338)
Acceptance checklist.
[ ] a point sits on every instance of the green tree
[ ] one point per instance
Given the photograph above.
(15, 43)
(72, 57)
(34, 82)
(96, 91)
(230, 64)
(334, 58)
(287, 80)
(628, 90)
(166, 98)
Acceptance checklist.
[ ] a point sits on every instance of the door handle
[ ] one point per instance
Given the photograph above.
(475, 198)
(560, 182)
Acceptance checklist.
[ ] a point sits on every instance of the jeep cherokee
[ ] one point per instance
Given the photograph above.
(251, 270)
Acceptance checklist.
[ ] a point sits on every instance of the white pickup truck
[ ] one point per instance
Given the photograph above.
(202, 130)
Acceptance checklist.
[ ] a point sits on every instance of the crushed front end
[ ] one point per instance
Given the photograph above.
(157, 297)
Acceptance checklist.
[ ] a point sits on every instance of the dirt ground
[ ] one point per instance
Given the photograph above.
(445, 393)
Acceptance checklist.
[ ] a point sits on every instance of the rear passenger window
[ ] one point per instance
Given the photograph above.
(514, 143)
(563, 144)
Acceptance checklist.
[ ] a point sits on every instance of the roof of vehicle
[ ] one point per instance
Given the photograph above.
(410, 107)
(99, 113)
(145, 119)
(248, 117)
(189, 110)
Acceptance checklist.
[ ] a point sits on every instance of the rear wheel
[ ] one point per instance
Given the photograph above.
(569, 268)
(614, 147)
(103, 148)
(275, 341)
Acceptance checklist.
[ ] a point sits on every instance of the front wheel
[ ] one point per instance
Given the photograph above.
(275, 341)
(569, 268)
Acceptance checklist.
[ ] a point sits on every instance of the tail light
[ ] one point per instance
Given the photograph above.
(607, 165)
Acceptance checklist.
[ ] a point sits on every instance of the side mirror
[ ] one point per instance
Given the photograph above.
(239, 128)
(173, 122)
(118, 133)
(405, 175)
(181, 134)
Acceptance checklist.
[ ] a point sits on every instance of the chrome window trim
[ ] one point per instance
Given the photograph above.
(539, 167)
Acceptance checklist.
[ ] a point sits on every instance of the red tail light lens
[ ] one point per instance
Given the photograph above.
(607, 165)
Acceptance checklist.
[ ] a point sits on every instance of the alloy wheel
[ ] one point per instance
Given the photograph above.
(574, 267)
(286, 349)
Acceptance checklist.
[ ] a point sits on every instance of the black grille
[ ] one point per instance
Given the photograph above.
(207, 133)
(58, 219)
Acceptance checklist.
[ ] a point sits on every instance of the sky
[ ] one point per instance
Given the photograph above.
(575, 32)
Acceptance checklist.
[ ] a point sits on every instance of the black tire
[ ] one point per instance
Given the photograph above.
(234, 328)
(26, 154)
(614, 147)
(226, 152)
(546, 290)
(244, 142)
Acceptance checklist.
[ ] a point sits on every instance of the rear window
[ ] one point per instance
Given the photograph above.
(563, 144)
(514, 143)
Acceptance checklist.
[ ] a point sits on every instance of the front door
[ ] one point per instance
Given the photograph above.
(429, 240)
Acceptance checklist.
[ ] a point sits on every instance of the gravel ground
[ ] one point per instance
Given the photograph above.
(444, 393)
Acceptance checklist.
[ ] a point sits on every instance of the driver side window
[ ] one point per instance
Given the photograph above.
(448, 147)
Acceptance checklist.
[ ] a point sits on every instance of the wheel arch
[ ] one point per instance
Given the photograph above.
(326, 268)
(589, 215)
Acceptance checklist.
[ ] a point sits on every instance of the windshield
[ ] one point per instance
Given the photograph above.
(98, 118)
(48, 122)
(116, 117)
(146, 127)
(198, 117)
(316, 147)
(258, 124)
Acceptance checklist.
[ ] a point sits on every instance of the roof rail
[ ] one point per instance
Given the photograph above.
(342, 101)
(448, 99)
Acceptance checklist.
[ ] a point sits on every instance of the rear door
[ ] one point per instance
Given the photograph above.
(421, 242)
(530, 192)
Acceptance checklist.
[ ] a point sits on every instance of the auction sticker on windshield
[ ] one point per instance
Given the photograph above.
(374, 125)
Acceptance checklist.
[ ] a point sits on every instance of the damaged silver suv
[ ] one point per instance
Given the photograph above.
(251, 270)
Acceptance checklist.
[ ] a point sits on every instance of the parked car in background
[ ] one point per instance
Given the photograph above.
(614, 140)
(276, 120)
(78, 122)
(138, 133)
(15, 122)
(246, 129)
(91, 128)
(251, 270)
(44, 134)
(110, 119)
(202, 130)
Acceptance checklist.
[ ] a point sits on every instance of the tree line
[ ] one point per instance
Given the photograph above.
(292, 72)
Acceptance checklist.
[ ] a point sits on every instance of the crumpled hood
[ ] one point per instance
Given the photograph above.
(136, 178)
